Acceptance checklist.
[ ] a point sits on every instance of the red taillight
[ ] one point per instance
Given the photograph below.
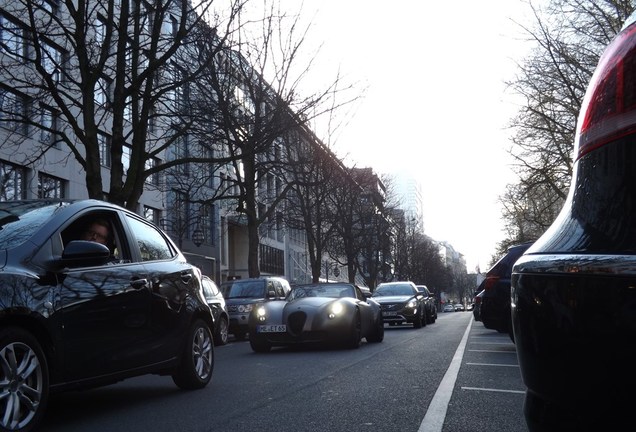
(491, 281)
(608, 111)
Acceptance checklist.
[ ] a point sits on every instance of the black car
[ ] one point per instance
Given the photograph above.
(215, 300)
(78, 313)
(320, 313)
(431, 304)
(574, 290)
(495, 301)
(242, 295)
(401, 303)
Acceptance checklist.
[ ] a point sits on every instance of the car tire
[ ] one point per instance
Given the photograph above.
(221, 334)
(197, 360)
(417, 321)
(259, 344)
(378, 332)
(24, 364)
(355, 335)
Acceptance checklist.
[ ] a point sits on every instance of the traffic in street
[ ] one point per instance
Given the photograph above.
(453, 375)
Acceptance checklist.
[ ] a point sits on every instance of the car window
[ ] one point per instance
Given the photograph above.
(394, 289)
(152, 244)
(279, 289)
(19, 223)
(251, 289)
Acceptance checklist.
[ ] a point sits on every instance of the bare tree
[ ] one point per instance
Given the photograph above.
(569, 37)
(105, 79)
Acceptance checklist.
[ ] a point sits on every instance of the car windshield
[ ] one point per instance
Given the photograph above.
(393, 290)
(247, 289)
(331, 290)
(20, 219)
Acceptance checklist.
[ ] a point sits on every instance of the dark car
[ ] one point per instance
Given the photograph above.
(495, 301)
(215, 300)
(477, 305)
(242, 295)
(401, 303)
(574, 291)
(337, 313)
(79, 313)
(430, 308)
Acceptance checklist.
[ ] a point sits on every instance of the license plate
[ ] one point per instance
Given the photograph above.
(389, 313)
(274, 328)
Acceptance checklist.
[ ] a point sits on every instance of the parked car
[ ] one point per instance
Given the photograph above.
(430, 308)
(79, 313)
(459, 307)
(401, 303)
(242, 295)
(448, 307)
(573, 291)
(477, 305)
(337, 313)
(495, 302)
(215, 300)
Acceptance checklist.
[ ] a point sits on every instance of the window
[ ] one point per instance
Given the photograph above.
(152, 215)
(50, 187)
(104, 149)
(49, 124)
(207, 223)
(12, 182)
(125, 157)
(52, 60)
(272, 260)
(152, 179)
(11, 38)
(13, 107)
(152, 244)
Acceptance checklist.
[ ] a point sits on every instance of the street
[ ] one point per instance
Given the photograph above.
(453, 375)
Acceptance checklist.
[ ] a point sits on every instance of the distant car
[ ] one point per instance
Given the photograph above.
(495, 302)
(78, 313)
(459, 307)
(448, 307)
(242, 295)
(401, 303)
(431, 304)
(215, 300)
(574, 290)
(326, 313)
(477, 305)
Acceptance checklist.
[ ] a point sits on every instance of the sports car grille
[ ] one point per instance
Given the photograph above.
(392, 307)
(296, 322)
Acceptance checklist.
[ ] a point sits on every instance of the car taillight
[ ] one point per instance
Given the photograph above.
(491, 281)
(608, 111)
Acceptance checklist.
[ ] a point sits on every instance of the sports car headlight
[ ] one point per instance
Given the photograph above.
(245, 308)
(261, 313)
(336, 309)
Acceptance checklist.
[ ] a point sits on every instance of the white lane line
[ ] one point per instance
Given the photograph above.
(492, 364)
(494, 390)
(436, 413)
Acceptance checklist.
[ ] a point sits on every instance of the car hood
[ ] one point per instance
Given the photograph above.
(392, 299)
(246, 300)
(309, 303)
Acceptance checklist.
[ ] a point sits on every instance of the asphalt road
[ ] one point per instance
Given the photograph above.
(450, 376)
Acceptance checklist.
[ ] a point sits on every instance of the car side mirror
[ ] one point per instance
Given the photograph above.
(80, 253)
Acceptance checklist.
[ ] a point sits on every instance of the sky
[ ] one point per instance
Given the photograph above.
(435, 106)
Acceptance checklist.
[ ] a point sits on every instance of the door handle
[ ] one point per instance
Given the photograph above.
(139, 283)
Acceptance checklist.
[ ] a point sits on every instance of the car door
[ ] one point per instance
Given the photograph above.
(105, 313)
(171, 280)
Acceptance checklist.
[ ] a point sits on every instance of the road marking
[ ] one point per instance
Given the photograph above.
(494, 390)
(436, 413)
(493, 351)
(492, 364)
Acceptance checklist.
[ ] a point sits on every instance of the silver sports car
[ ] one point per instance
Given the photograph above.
(317, 313)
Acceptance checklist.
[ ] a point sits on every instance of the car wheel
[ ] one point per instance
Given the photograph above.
(355, 335)
(417, 321)
(221, 334)
(378, 332)
(197, 360)
(259, 344)
(24, 380)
